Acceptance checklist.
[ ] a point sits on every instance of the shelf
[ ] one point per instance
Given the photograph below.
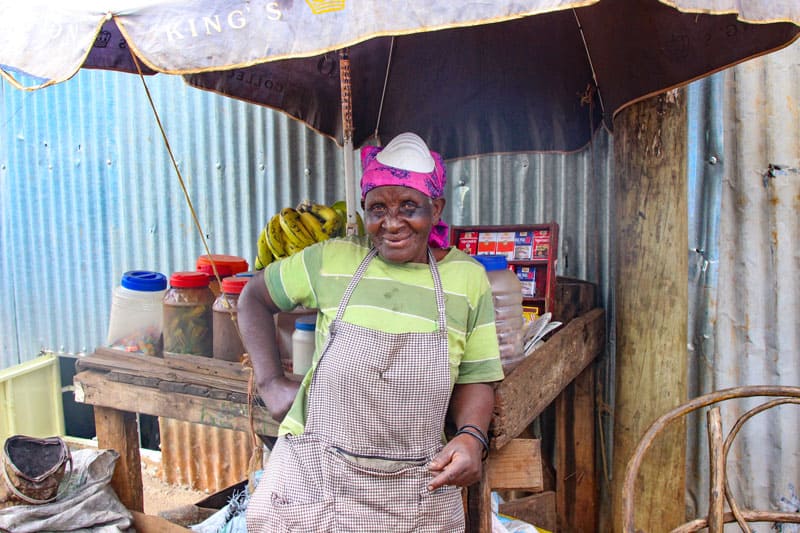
(522, 245)
(537, 261)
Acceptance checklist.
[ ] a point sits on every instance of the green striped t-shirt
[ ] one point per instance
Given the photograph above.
(391, 297)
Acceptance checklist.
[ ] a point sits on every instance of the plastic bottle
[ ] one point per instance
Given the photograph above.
(303, 343)
(227, 265)
(507, 296)
(227, 341)
(187, 315)
(135, 320)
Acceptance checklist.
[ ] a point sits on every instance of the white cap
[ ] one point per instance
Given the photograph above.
(409, 152)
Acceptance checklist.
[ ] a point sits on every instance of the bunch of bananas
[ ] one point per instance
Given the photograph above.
(293, 229)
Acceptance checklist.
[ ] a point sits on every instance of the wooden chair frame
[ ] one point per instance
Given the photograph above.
(719, 491)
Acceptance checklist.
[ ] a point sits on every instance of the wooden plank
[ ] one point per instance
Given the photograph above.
(576, 475)
(207, 365)
(651, 236)
(536, 509)
(536, 382)
(118, 430)
(145, 523)
(479, 506)
(517, 466)
(144, 366)
(95, 388)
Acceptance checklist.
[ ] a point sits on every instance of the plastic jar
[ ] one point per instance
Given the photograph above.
(227, 341)
(135, 320)
(303, 343)
(507, 296)
(227, 265)
(187, 314)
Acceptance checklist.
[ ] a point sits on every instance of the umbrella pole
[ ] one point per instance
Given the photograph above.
(347, 129)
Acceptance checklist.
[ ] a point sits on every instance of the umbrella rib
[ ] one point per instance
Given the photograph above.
(383, 92)
(591, 64)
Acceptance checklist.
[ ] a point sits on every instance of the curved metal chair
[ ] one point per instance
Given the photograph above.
(718, 454)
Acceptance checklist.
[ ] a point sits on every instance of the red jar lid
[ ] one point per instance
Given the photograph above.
(234, 285)
(185, 280)
(227, 265)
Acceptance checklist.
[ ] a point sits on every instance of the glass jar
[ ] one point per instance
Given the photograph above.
(228, 344)
(187, 315)
(507, 296)
(227, 265)
(135, 320)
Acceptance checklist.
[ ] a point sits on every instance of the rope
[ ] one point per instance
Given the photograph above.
(246, 361)
(591, 65)
(383, 92)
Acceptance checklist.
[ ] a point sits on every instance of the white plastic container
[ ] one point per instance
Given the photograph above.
(507, 296)
(136, 319)
(303, 343)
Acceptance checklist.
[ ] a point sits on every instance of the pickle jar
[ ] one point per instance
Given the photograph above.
(188, 324)
(227, 341)
(227, 265)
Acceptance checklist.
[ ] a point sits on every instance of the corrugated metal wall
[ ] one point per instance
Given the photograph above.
(745, 268)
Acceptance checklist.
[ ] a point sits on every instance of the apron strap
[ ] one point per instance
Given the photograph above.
(362, 268)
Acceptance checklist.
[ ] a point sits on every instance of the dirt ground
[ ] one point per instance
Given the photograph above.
(160, 496)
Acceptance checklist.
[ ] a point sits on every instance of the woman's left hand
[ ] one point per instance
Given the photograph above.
(459, 463)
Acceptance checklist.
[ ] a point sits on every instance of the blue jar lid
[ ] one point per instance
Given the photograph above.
(306, 323)
(492, 262)
(144, 280)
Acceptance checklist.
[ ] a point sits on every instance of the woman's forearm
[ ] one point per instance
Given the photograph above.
(256, 316)
(472, 403)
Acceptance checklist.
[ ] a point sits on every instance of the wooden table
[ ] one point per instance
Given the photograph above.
(211, 392)
(192, 389)
(560, 374)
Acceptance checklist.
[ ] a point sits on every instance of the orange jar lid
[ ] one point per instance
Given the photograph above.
(189, 280)
(234, 285)
(227, 265)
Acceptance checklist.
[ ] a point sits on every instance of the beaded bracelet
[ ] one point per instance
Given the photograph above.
(479, 437)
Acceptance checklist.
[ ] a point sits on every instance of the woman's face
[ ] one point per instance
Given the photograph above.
(399, 220)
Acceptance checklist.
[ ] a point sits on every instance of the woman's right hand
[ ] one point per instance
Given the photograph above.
(278, 395)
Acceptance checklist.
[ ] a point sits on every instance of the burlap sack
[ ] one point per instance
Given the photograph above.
(32, 469)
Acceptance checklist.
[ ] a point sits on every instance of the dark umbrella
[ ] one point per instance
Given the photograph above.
(496, 77)
(540, 83)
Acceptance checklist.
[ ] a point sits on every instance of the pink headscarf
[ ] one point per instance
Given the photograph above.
(431, 184)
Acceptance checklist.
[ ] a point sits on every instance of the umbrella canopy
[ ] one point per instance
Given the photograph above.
(493, 79)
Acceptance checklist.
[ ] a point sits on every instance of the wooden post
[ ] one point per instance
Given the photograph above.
(651, 237)
(118, 430)
(576, 477)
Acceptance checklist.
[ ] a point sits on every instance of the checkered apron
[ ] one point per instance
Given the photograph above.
(376, 410)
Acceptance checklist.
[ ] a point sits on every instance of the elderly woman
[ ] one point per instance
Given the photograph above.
(405, 339)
